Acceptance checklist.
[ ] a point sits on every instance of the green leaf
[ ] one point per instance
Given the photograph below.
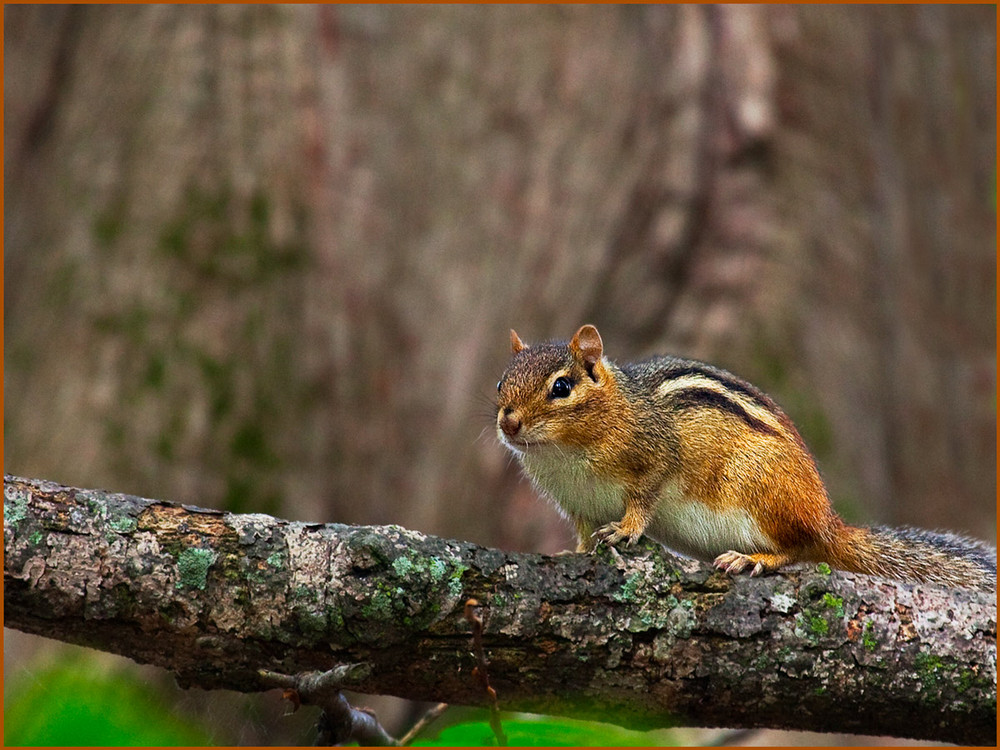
(532, 731)
(74, 703)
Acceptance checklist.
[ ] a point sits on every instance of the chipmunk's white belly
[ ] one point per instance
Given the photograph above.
(681, 522)
(565, 476)
(691, 527)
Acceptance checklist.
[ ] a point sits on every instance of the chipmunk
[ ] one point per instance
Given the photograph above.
(699, 460)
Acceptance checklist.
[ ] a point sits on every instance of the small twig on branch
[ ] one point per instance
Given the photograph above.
(472, 607)
(431, 714)
(339, 722)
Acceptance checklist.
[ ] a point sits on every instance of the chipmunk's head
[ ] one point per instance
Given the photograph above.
(551, 393)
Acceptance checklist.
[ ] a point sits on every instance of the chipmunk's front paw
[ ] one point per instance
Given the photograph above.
(615, 532)
(736, 562)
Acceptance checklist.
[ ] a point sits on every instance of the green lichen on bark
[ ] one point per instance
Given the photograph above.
(834, 603)
(868, 639)
(192, 567)
(15, 505)
(123, 524)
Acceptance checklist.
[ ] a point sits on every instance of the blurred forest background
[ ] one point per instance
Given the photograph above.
(265, 258)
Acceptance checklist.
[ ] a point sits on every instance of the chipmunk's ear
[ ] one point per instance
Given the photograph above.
(588, 348)
(516, 344)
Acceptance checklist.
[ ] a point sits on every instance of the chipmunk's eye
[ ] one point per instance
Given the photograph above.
(561, 388)
(499, 383)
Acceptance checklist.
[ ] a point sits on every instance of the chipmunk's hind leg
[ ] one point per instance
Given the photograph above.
(758, 562)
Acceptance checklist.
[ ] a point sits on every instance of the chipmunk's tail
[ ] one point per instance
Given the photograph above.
(911, 554)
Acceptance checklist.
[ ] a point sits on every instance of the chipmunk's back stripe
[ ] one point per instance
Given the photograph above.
(693, 387)
(710, 397)
(730, 382)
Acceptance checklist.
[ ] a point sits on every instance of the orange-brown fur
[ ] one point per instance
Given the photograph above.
(767, 476)
(697, 457)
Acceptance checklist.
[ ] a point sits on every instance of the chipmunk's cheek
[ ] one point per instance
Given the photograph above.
(532, 435)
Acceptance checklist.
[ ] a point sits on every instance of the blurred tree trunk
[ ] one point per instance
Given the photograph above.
(890, 182)
(269, 254)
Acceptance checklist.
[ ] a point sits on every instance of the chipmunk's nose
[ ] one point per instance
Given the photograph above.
(509, 422)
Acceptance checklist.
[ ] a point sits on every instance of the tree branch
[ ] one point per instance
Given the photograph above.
(643, 639)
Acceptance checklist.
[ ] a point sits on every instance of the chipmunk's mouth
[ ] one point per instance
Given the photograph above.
(520, 442)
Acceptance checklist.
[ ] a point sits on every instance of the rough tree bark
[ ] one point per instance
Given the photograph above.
(642, 639)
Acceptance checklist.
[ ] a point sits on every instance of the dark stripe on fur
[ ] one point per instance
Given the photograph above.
(707, 397)
(724, 378)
